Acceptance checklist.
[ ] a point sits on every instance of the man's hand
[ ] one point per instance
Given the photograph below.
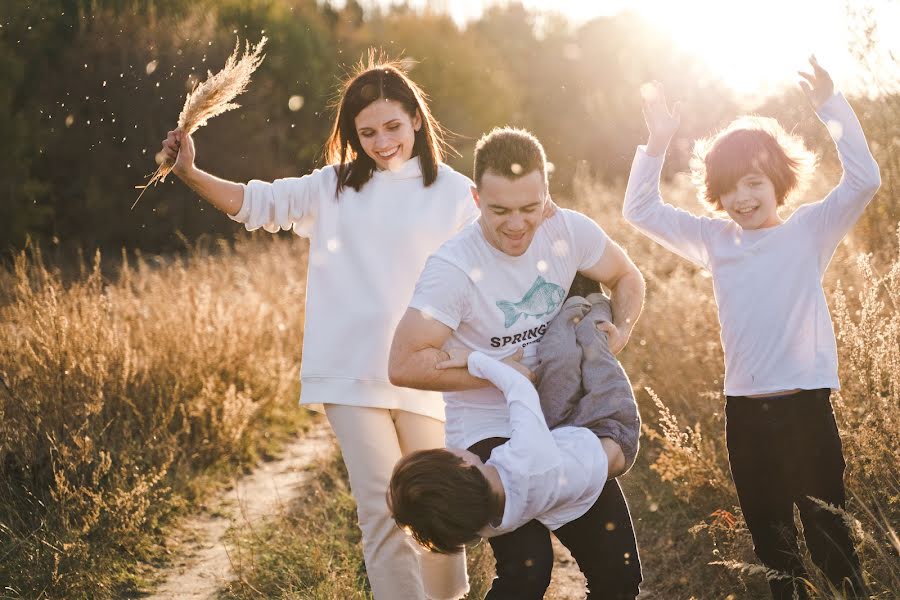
(616, 271)
(615, 337)
(661, 123)
(818, 86)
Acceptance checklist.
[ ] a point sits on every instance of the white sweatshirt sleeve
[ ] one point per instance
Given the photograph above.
(292, 202)
(841, 208)
(530, 442)
(676, 229)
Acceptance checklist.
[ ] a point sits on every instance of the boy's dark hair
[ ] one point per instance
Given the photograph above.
(439, 499)
(750, 144)
(509, 152)
(377, 78)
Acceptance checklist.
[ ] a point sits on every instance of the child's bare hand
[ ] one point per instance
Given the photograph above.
(661, 123)
(457, 358)
(513, 361)
(818, 86)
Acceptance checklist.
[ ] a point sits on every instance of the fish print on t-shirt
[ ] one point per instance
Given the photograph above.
(542, 299)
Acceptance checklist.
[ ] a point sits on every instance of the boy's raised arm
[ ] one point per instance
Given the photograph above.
(861, 178)
(676, 229)
(661, 124)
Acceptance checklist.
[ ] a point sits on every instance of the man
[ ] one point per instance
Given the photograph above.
(493, 288)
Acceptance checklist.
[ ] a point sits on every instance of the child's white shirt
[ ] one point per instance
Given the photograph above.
(552, 476)
(496, 303)
(366, 251)
(776, 328)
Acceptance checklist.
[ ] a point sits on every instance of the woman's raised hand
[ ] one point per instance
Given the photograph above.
(818, 86)
(178, 149)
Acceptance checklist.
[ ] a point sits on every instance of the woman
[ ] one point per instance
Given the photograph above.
(373, 215)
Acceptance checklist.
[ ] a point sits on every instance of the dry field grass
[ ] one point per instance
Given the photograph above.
(125, 398)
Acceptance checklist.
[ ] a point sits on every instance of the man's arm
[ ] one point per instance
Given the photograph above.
(616, 271)
(416, 351)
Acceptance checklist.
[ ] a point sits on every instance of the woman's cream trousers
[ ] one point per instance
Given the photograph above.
(372, 440)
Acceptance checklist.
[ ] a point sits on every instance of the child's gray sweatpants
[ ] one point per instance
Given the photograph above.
(580, 382)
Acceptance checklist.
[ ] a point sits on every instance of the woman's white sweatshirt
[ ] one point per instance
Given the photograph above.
(366, 251)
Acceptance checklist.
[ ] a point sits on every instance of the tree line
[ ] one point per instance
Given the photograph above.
(88, 88)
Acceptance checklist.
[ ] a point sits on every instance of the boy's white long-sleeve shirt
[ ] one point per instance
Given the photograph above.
(776, 329)
(552, 476)
(366, 251)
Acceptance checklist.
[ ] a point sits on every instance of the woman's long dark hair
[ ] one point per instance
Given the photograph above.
(377, 78)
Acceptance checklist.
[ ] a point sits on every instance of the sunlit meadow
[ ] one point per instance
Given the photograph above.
(133, 386)
(125, 398)
(119, 390)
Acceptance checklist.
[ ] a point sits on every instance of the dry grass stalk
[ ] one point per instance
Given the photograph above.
(213, 97)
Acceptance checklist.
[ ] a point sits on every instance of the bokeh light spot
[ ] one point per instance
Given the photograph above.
(561, 247)
(295, 103)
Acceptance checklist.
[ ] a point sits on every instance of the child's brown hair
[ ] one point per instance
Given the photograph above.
(750, 144)
(441, 500)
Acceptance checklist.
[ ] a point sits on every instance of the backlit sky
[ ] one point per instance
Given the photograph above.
(754, 46)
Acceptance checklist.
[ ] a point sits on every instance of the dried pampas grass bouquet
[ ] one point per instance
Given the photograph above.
(213, 97)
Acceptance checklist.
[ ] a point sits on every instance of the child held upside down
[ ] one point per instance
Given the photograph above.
(447, 498)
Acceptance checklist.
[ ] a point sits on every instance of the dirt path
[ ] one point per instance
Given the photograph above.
(205, 565)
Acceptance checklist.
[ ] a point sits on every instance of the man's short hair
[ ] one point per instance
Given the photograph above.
(438, 498)
(509, 152)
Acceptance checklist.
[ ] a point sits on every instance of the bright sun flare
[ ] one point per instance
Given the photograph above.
(751, 49)
(755, 47)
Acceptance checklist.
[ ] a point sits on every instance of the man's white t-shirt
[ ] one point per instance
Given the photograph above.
(496, 303)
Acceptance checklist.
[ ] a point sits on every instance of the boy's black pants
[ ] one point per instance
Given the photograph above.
(784, 450)
(601, 541)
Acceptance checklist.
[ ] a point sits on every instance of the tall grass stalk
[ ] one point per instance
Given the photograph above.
(213, 97)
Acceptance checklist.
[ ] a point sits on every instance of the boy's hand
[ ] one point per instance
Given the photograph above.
(457, 358)
(513, 361)
(661, 123)
(818, 86)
